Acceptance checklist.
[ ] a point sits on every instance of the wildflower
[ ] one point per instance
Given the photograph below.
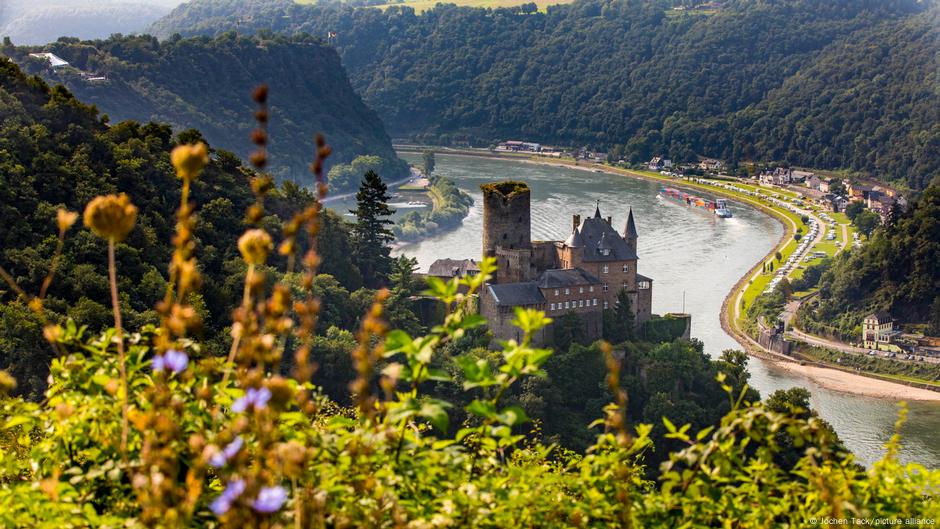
(65, 218)
(223, 503)
(270, 499)
(111, 216)
(173, 360)
(255, 246)
(219, 459)
(190, 160)
(253, 397)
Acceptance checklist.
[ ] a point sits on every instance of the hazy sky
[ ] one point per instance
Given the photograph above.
(41, 21)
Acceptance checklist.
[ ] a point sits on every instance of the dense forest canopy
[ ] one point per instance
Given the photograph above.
(831, 84)
(204, 83)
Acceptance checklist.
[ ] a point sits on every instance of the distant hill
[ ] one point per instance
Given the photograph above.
(826, 83)
(206, 83)
(42, 21)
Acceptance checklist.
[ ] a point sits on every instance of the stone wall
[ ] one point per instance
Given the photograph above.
(513, 265)
(506, 216)
(499, 321)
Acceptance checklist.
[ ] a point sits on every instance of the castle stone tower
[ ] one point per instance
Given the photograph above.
(507, 230)
(507, 220)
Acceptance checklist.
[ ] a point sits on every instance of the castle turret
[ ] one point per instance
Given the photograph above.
(629, 232)
(506, 217)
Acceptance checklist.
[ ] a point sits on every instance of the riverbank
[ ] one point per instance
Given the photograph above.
(831, 378)
(449, 206)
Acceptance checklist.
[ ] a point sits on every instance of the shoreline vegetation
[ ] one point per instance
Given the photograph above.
(830, 376)
(449, 206)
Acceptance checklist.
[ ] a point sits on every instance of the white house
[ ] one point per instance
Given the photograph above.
(54, 60)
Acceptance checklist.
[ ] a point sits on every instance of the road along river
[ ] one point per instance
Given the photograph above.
(692, 256)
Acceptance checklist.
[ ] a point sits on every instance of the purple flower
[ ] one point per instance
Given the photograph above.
(219, 459)
(232, 491)
(270, 499)
(253, 397)
(175, 361)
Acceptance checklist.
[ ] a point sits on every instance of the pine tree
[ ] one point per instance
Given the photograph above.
(370, 234)
(619, 321)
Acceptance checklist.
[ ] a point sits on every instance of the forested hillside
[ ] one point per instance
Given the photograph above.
(205, 83)
(898, 271)
(58, 152)
(845, 83)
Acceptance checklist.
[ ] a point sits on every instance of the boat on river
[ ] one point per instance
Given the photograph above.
(718, 206)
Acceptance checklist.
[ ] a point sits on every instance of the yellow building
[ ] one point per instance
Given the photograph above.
(878, 332)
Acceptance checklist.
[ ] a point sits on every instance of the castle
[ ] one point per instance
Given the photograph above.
(583, 274)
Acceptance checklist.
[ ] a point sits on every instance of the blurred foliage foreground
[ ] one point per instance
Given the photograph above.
(136, 430)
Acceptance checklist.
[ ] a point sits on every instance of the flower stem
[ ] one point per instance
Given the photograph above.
(246, 303)
(116, 307)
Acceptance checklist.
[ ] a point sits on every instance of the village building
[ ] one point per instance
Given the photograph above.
(780, 176)
(54, 60)
(878, 332)
(799, 177)
(836, 203)
(710, 165)
(582, 275)
(447, 269)
(519, 146)
(658, 163)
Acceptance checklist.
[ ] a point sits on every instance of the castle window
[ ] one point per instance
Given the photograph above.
(580, 302)
(595, 302)
(606, 269)
(553, 306)
(567, 291)
(591, 288)
(566, 305)
(556, 291)
(626, 268)
(580, 290)
(605, 288)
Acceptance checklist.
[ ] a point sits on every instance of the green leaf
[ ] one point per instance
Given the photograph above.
(18, 420)
(398, 341)
(512, 416)
(435, 411)
(482, 408)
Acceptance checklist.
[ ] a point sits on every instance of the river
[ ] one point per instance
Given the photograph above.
(692, 256)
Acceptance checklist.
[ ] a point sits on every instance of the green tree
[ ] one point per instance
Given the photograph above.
(568, 329)
(428, 166)
(401, 277)
(795, 403)
(370, 234)
(853, 209)
(935, 317)
(619, 321)
(866, 222)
